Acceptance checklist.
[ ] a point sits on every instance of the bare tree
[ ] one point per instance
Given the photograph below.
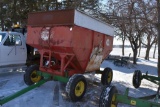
(127, 18)
(4, 20)
(121, 36)
(150, 18)
(133, 18)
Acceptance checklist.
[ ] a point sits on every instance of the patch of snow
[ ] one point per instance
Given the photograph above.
(53, 94)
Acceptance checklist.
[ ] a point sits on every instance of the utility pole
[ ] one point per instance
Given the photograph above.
(158, 28)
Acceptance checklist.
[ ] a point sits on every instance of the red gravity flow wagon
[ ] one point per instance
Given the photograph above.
(70, 43)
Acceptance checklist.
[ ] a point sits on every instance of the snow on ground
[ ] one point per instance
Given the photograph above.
(118, 51)
(52, 94)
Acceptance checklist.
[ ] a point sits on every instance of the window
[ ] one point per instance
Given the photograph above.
(2, 35)
(13, 40)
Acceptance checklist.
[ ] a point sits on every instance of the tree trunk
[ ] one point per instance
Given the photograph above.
(123, 47)
(135, 56)
(147, 53)
(139, 51)
(47, 6)
(2, 24)
(154, 50)
(139, 48)
(56, 5)
(2, 18)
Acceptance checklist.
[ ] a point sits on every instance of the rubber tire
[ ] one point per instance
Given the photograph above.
(104, 76)
(107, 91)
(71, 85)
(28, 73)
(136, 80)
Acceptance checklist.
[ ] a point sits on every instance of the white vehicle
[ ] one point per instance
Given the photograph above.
(12, 48)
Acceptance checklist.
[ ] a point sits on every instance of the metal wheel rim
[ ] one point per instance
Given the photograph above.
(109, 76)
(113, 100)
(34, 77)
(79, 89)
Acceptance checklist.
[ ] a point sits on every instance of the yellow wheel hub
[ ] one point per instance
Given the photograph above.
(79, 89)
(113, 100)
(34, 77)
(109, 76)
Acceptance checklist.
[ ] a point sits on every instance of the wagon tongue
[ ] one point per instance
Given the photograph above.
(4, 100)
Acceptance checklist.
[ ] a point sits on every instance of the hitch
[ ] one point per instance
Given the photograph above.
(135, 101)
(21, 92)
(46, 77)
(110, 98)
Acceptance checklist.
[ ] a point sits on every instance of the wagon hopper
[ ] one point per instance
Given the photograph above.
(69, 41)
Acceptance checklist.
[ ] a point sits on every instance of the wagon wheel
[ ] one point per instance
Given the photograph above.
(106, 77)
(76, 87)
(137, 77)
(107, 97)
(31, 76)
